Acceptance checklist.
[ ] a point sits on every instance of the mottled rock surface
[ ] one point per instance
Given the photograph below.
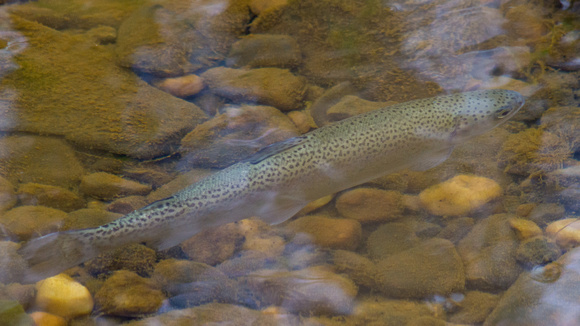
(235, 135)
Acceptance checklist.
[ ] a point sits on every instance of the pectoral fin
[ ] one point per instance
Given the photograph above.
(432, 160)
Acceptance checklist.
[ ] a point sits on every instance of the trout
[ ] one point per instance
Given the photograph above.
(276, 182)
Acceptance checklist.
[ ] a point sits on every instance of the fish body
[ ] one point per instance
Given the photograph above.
(275, 183)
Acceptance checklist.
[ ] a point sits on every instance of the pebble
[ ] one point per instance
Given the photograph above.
(388, 311)
(44, 160)
(182, 87)
(368, 205)
(524, 210)
(545, 213)
(45, 319)
(213, 246)
(103, 34)
(391, 238)
(62, 296)
(334, 233)
(127, 204)
(460, 195)
(430, 268)
(474, 308)
(269, 86)
(216, 314)
(236, 134)
(302, 120)
(12, 266)
(135, 258)
(127, 294)
(269, 245)
(565, 232)
(295, 291)
(7, 195)
(25, 222)
(488, 252)
(361, 270)
(107, 186)
(548, 297)
(50, 196)
(524, 229)
(265, 50)
(537, 251)
(456, 229)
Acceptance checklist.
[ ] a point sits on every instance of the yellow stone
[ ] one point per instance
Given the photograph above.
(525, 229)
(63, 296)
(565, 232)
(459, 195)
(335, 233)
(45, 319)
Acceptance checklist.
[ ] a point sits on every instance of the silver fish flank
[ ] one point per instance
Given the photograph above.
(275, 183)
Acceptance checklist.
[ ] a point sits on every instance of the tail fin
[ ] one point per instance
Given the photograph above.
(54, 253)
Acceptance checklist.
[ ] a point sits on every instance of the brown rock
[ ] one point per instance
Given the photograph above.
(328, 232)
(269, 86)
(88, 218)
(433, 267)
(213, 246)
(49, 196)
(264, 50)
(182, 87)
(7, 195)
(39, 159)
(108, 186)
(26, 222)
(234, 135)
(391, 238)
(126, 205)
(127, 294)
(368, 205)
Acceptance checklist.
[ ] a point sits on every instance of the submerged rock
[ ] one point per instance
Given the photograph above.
(549, 299)
(63, 296)
(489, 254)
(313, 290)
(82, 95)
(235, 135)
(263, 50)
(49, 196)
(7, 195)
(36, 159)
(127, 294)
(368, 205)
(431, 268)
(460, 195)
(108, 186)
(335, 233)
(25, 222)
(268, 86)
(12, 266)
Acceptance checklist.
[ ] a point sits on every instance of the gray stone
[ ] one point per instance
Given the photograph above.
(430, 268)
(537, 251)
(543, 214)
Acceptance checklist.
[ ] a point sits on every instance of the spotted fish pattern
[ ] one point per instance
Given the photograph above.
(275, 183)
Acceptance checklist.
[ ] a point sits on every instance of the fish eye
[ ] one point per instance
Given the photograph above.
(502, 113)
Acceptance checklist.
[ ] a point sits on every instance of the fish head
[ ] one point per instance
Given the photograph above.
(480, 111)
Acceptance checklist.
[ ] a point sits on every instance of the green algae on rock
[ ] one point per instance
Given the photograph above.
(69, 86)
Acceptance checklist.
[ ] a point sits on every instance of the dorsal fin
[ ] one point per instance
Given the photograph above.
(274, 149)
